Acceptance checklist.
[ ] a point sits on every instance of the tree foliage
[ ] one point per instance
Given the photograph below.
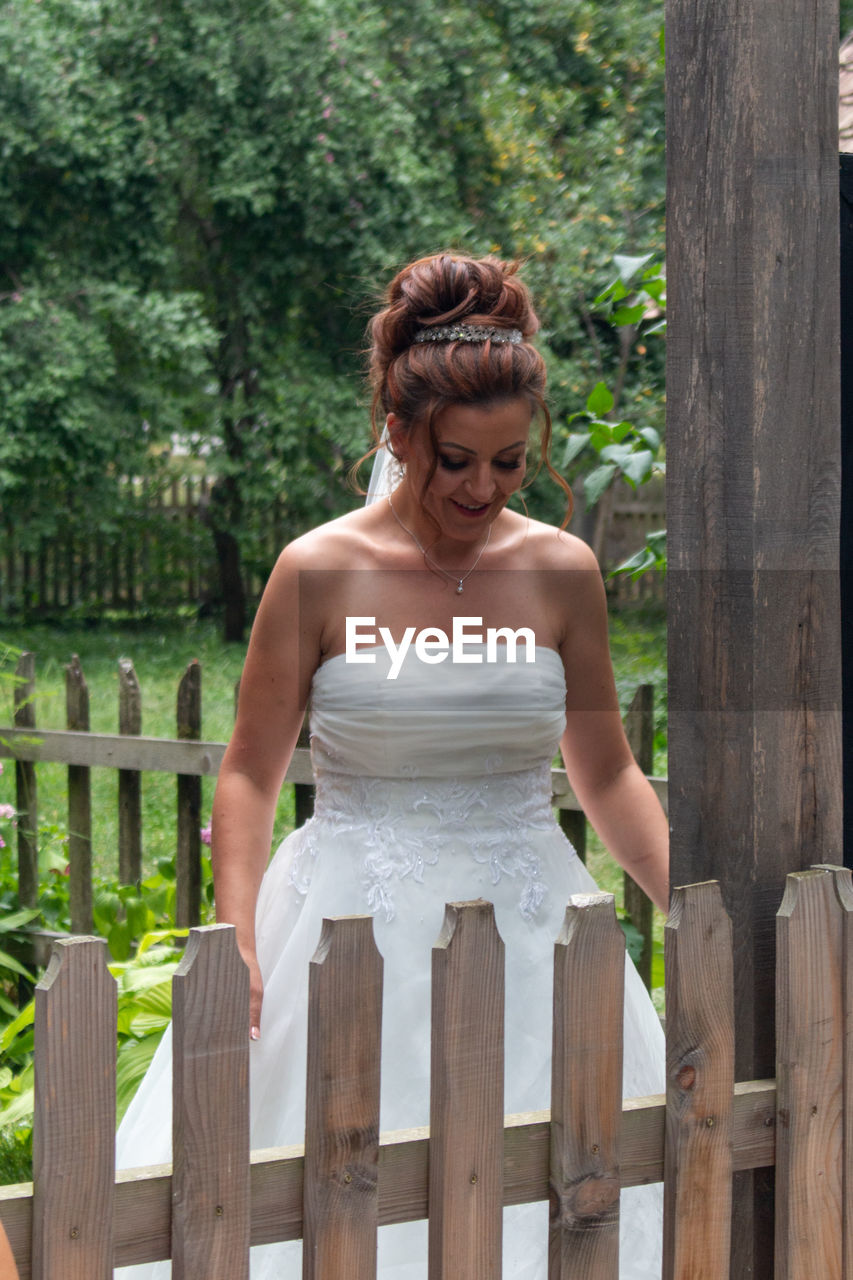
(200, 200)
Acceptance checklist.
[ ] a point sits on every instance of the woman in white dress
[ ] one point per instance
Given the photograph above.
(432, 760)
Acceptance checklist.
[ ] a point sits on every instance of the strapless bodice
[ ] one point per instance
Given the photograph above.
(454, 720)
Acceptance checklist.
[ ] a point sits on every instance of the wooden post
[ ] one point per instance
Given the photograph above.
(342, 1113)
(810, 1078)
(75, 1115)
(210, 1109)
(752, 484)
(303, 792)
(188, 889)
(586, 1092)
(79, 805)
(640, 731)
(466, 1096)
(129, 780)
(26, 789)
(700, 1062)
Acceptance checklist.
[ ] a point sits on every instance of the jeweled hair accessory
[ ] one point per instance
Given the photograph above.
(468, 333)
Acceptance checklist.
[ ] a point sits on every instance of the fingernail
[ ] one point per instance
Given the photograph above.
(255, 1033)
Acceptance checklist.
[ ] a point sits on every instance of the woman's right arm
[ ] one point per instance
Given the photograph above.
(284, 651)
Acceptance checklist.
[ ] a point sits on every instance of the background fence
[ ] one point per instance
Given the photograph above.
(190, 759)
(160, 553)
(77, 1220)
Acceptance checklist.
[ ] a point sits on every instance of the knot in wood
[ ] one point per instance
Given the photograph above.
(593, 1198)
(686, 1077)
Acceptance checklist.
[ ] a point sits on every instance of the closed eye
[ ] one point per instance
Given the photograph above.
(457, 464)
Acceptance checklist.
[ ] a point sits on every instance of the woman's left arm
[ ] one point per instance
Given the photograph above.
(609, 784)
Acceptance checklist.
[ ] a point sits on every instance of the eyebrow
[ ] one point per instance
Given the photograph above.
(450, 444)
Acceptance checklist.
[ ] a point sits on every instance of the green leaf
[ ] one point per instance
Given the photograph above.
(619, 454)
(634, 940)
(638, 467)
(134, 1059)
(629, 267)
(650, 436)
(17, 919)
(596, 482)
(576, 443)
(9, 962)
(629, 315)
(600, 400)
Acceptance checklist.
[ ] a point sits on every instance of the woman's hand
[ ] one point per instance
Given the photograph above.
(256, 995)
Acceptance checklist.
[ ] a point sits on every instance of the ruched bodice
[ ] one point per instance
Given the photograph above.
(449, 721)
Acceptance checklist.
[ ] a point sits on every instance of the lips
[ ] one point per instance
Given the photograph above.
(471, 512)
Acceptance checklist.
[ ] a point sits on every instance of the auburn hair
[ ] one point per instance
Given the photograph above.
(417, 380)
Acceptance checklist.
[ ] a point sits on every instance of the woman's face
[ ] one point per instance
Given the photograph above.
(481, 462)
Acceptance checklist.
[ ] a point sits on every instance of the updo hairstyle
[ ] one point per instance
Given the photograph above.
(417, 380)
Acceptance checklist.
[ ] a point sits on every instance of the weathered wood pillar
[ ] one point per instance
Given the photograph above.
(753, 483)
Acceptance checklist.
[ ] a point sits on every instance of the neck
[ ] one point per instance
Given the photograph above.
(451, 553)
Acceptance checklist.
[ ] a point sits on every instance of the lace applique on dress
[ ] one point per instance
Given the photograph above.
(401, 824)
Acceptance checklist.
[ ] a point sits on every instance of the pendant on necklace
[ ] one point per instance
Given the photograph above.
(459, 589)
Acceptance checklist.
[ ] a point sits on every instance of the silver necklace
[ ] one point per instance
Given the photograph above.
(451, 577)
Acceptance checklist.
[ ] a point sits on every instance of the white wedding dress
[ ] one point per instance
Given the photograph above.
(433, 787)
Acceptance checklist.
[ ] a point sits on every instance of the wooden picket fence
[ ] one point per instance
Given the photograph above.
(78, 1220)
(191, 759)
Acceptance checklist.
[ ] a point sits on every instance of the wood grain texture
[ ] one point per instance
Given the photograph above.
(129, 780)
(26, 785)
(586, 1092)
(143, 1196)
(342, 1113)
(74, 1122)
(753, 478)
(810, 1053)
(79, 805)
(466, 1096)
(700, 1059)
(188, 887)
(210, 1109)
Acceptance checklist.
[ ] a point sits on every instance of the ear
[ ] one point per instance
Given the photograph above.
(398, 437)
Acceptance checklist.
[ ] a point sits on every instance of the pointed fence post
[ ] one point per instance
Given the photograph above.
(79, 805)
(26, 787)
(210, 1109)
(74, 1122)
(811, 1054)
(700, 1062)
(467, 1096)
(129, 780)
(342, 1115)
(586, 1091)
(188, 889)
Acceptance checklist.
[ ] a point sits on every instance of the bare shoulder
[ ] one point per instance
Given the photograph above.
(348, 542)
(546, 547)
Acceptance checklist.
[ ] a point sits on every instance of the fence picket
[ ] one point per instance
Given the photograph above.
(26, 787)
(810, 1054)
(210, 1109)
(466, 1096)
(188, 888)
(129, 780)
(74, 1122)
(640, 732)
(700, 1053)
(586, 1092)
(79, 805)
(342, 1114)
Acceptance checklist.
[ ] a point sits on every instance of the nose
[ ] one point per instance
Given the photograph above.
(481, 485)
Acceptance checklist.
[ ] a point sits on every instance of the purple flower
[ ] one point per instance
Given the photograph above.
(204, 833)
(7, 811)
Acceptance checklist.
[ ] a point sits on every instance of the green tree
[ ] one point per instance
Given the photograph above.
(198, 200)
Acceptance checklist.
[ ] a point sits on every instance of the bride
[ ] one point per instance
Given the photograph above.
(448, 645)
